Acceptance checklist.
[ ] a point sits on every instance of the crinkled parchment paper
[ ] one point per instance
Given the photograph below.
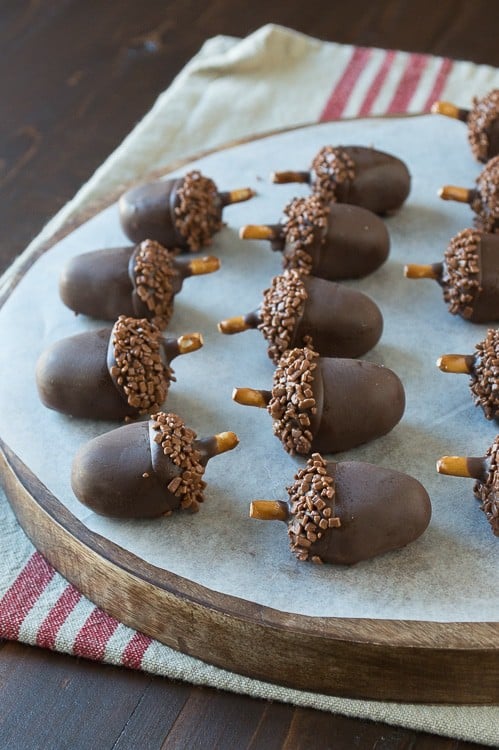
(450, 574)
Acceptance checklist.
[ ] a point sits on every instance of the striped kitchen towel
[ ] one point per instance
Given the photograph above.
(275, 78)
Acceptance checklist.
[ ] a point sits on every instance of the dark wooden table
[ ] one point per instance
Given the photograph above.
(76, 75)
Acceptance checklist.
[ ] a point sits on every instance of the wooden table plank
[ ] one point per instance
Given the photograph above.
(54, 701)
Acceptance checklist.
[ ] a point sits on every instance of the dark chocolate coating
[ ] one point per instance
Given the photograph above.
(357, 401)
(100, 284)
(72, 377)
(493, 138)
(486, 303)
(355, 244)
(343, 322)
(108, 473)
(379, 509)
(147, 212)
(493, 135)
(382, 182)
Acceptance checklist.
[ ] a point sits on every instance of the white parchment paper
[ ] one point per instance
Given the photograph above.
(450, 574)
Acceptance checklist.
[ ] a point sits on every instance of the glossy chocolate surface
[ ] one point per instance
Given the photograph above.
(147, 212)
(125, 474)
(101, 284)
(354, 245)
(486, 303)
(114, 476)
(379, 509)
(72, 377)
(357, 401)
(342, 322)
(382, 181)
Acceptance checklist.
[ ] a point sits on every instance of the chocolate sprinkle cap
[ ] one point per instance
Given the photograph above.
(488, 492)
(177, 442)
(480, 119)
(153, 273)
(292, 405)
(136, 365)
(460, 279)
(282, 306)
(331, 167)
(486, 199)
(305, 225)
(485, 374)
(312, 506)
(198, 210)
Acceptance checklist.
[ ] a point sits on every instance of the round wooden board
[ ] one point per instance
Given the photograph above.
(416, 661)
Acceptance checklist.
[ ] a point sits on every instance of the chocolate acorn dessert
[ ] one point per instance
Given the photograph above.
(485, 471)
(469, 275)
(140, 281)
(482, 120)
(146, 469)
(362, 176)
(483, 367)
(297, 310)
(183, 213)
(483, 199)
(330, 242)
(328, 405)
(345, 512)
(114, 373)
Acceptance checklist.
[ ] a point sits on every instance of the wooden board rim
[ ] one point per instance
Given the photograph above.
(459, 661)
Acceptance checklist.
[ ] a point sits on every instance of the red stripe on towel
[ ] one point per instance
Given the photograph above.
(48, 630)
(93, 637)
(408, 84)
(21, 597)
(135, 650)
(341, 93)
(440, 81)
(377, 84)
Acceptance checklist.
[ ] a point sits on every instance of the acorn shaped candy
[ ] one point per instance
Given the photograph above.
(485, 471)
(362, 176)
(483, 367)
(140, 281)
(114, 373)
(328, 405)
(483, 199)
(330, 242)
(482, 121)
(146, 469)
(184, 212)
(345, 512)
(298, 310)
(469, 275)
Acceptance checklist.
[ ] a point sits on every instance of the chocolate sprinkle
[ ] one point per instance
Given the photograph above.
(139, 371)
(486, 201)
(485, 375)
(292, 403)
(307, 217)
(282, 306)
(312, 500)
(482, 115)
(198, 210)
(153, 274)
(177, 442)
(460, 280)
(332, 166)
(488, 492)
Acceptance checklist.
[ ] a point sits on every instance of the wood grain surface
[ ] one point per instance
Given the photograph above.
(76, 76)
(378, 659)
